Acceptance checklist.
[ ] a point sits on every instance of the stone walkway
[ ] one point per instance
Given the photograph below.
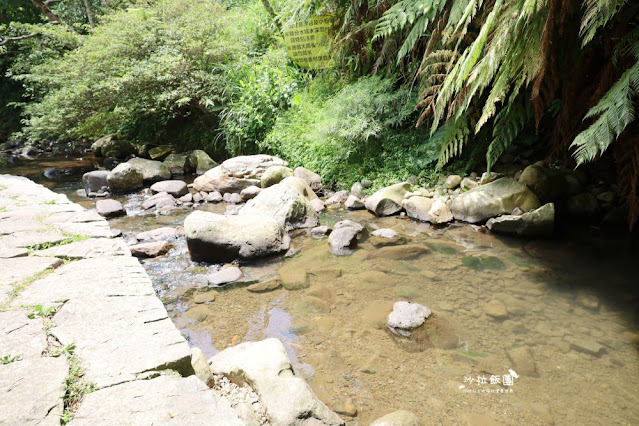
(77, 311)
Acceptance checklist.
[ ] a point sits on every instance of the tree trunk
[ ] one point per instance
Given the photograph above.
(89, 14)
(44, 9)
(271, 12)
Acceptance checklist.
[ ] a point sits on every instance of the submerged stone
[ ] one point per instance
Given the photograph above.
(397, 418)
(152, 171)
(482, 263)
(225, 276)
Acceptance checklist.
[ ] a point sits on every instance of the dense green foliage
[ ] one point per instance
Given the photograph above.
(259, 91)
(418, 82)
(156, 74)
(363, 129)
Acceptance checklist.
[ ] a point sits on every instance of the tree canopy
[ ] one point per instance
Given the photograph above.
(475, 79)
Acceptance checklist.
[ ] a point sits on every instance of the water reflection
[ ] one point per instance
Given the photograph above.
(561, 313)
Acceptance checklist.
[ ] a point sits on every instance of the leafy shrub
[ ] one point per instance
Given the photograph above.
(363, 130)
(260, 89)
(149, 73)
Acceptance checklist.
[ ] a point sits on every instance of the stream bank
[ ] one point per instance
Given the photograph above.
(84, 339)
(570, 303)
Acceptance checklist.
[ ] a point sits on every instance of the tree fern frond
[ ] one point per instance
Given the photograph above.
(458, 9)
(407, 12)
(616, 111)
(508, 123)
(413, 36)
(456, 136)
(531, 7)
(497, 94)
(463, 67)
(466, 18)
(388, 51)
(476, 49)
(597, 15)
(629, 45)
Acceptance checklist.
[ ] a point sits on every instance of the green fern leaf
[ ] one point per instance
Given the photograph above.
(508, 123)
(457, 132)
(616, 111)
(598, 13)
(413, 36)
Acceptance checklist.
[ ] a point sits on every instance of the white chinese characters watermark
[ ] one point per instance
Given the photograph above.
(476, 384)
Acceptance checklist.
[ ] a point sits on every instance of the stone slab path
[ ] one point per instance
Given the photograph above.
(93, 309)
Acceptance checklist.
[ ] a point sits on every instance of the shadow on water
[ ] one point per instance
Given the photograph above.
(563, 313)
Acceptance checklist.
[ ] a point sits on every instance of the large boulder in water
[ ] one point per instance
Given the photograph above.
(535, 223)
(266, 367)
(388, 201)
(440, 213)
(112, 146)
(218, 238)
(159, 153)
(124, 178)
(201, 162)
(284, 204)
(175, 188)
(302, 187)
(237, 173)
(583, 206)
(152, 171)
(417, 207)
(94, 181)
(493, 199)
(217, 180)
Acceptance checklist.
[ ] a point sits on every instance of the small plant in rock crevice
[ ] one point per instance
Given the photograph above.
(8, 359)
(40, 312)
(76, 387)
(69, 238)
(68, 351)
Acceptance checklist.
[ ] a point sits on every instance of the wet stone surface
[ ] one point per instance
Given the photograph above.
(570, 303)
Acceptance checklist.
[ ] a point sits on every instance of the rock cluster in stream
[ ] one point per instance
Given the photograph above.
(265, 200)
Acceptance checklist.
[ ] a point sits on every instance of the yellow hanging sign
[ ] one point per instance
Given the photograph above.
(309, 43)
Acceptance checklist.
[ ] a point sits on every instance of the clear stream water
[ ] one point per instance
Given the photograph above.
(550, 304)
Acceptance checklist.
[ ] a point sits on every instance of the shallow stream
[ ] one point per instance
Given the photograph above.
(565, 310)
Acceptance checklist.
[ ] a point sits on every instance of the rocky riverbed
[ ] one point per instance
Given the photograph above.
(558, 313)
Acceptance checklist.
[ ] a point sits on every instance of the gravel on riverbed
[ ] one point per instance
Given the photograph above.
(240, 398)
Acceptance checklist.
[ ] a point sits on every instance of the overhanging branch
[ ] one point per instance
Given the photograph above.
(16, 38)
(44, 9)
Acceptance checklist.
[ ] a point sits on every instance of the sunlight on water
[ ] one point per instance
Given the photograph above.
(558, 318)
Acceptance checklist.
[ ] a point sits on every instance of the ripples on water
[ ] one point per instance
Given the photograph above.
(559, 299)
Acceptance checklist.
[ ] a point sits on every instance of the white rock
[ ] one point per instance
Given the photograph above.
(284, 204)
(407, 316)
(225, 276)
(385, 233)
(266, 367)
(439, 212)
(353, 203)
